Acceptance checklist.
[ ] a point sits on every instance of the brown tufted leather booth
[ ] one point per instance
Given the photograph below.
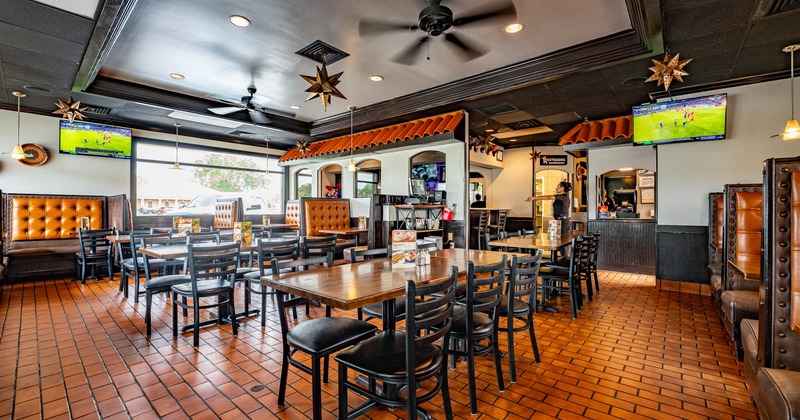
(772, 368)
(293, 212)
(227, 212)
(40, 231)
(323, 213)
(716, 211)
(743, 225)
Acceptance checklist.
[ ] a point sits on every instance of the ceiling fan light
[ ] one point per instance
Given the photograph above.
(792, 130)
(18, 153)
(514, 28)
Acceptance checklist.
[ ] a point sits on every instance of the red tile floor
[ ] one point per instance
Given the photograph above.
(73, 351)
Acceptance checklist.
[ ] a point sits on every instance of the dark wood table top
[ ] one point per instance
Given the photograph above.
(749, 268)
(352, 286)
(539, 241)
(347, 231)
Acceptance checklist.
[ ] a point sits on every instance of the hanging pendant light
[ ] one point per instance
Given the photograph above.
(267, 171)
(176, 166)
(352, 166)
(792, 129)
(18, 153)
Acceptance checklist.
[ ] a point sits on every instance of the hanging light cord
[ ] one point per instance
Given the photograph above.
(791, 61)
(18, 117)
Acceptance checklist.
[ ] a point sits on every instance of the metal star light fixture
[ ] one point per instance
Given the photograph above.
(302, 147)
(668, 69)
(70, 110)
(323, 86)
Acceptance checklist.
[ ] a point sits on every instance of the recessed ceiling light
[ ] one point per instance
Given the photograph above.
(294, 106)
(177, 76)
(376, 78)
(514, 28)
(513, 140)
(239, 21)
(490, 130)
(625, 169)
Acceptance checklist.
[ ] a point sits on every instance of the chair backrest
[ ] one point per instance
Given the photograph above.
(203, 237)
(490, 237)
(290, 234)
(212, 261)
(162, 230)
(484, 288)
(158, 241)
(125, 250)
(502, 215)
(227, 211)
(429, 310)
(742, 229)
(522, 278)
(93, 241)
(779, 291)
(533, 231)
(593, 248)
(282, 249)
(313, 247)
(483, 220)
(369, 254)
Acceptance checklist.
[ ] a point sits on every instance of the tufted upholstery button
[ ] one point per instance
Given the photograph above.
(783, 259)
(782, 350)
(782, 304)
(783, 275)
(782, 334)
(781, 319)
(783, 214)
(782, 366)
(782, 229)
(782, 288)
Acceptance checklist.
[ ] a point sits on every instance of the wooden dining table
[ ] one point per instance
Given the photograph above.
(750, 269)
(352, 286)
(541, 241)
(352, 231)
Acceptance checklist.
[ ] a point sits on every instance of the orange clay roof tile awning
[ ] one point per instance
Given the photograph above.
(423, 127)
(597, 131)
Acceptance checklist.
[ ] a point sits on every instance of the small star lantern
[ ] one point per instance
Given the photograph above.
(668, 69)
(323, 86)
(70, 110)
(302, 147)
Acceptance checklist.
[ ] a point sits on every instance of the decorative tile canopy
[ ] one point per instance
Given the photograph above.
(596, 131)
(423, 127)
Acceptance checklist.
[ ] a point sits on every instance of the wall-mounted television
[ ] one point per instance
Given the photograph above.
(85, 138)
(692, 119)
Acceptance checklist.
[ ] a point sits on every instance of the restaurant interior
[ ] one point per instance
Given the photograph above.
(229, 210)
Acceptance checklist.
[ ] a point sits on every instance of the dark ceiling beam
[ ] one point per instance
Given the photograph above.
(722, 84)
(151, 96)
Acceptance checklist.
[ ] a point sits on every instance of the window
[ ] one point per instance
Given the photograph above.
(303, 183)
(207, 174)
(367, 183)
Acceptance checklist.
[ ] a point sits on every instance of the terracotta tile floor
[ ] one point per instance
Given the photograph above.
(72, 351)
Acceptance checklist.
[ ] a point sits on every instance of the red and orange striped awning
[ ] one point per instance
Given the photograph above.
(607, 129)
(416, 129)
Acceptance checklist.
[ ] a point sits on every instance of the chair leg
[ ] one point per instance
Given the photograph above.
(316, 388)
(473, 399)
(232, 313)
(498, 366)
(573, 300)
(284, 376)
(343, 390)
(596, 283)
(448, 409)
(533, 339)
(174, 315)
(263, 306)
(196, 319)
(512, 368)
(148, 297)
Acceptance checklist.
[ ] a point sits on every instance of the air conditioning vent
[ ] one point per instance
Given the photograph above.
(241, 133)
(98, 110)
(503, 108)
(322, 53)
(521, 125)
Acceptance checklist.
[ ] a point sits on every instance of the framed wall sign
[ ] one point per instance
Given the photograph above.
(648, 195)
(647, 181)
(553, 160)
(499, 155)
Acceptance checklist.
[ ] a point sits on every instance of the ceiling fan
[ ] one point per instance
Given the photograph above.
(436, 20)
(258, 113)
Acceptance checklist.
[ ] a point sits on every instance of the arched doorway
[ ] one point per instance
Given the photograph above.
(330, 181)
(545, 182)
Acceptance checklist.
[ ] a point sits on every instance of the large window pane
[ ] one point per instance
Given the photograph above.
(205, 177)
(303, 183)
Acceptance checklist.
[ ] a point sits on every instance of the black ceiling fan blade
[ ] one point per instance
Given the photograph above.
(501, 11)
(225, 110)
(409, 56)
(468, 50)
(370, 27)
(258, 117)
(273, 111)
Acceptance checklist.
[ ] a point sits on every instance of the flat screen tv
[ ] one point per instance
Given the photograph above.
(417, 187)
(85, 138)
(692, 119)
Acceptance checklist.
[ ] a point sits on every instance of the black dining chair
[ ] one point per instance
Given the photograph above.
(482, 227)
(95, 252)
(558, 279)
(517, 304)
(163, 282)
(316, 247)
(133, 265)
(475, 321)
(285, 249)
(403, 360)
(212, 271)
(317, 338)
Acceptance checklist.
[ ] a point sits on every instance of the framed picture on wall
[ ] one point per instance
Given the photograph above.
(647, 181)
(499, 155)
(648, 195)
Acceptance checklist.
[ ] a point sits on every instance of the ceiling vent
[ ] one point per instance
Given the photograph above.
(502, 108)
(521, 125)
(322, 53)
(98, 110)
(241, 133)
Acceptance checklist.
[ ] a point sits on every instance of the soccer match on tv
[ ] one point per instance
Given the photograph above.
(82, 138)
(687, 119)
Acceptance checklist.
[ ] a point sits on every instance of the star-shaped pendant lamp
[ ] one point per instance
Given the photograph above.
(668, 69)
(302, 147)
(323, 86)
(70, 110)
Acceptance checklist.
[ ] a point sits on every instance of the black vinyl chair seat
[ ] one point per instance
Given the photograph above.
(375, 310)
(520, 308)
(165, 282)
(481, 323)
(205, 287)
(384, 356)
(327, 335)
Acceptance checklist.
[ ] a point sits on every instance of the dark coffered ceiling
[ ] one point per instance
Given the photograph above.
(574, 60)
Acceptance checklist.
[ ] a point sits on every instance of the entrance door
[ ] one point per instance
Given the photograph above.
(546, 183)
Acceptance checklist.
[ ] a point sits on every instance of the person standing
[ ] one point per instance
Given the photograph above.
(560, 205)
(478, 203)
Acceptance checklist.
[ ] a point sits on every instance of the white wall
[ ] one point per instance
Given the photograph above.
(395, 171)
(687, 172)
(70, 174)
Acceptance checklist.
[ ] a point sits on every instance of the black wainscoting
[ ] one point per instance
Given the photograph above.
(682, 253)
(627, 245)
